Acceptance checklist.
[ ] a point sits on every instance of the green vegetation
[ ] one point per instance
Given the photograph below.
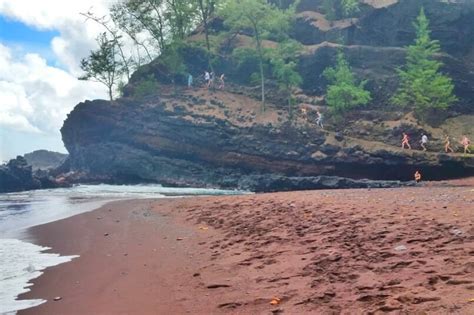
(146, 87)
(172, 58)
(264, 51)
(206, 11)
(344, 93)
(422, 86)
(103, 65)
(264, 20)
(283, 61)
(338, 9)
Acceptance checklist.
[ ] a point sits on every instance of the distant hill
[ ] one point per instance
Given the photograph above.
(44, 159)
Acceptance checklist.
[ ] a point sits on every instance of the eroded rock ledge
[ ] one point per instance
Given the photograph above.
(197, 140)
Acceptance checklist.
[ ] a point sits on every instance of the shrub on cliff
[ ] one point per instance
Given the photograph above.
(422, 85)
(146, 87)
(284, 62)
(343, 92)
(337, 9)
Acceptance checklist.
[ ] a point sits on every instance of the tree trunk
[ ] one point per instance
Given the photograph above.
(290, 114)
(205, 17)
(110, 93)
(263, 84)
(208, 45)
(262, 77)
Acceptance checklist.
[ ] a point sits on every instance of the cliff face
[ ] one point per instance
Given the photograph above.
(203, 138)
(196, 140)
(375, 39)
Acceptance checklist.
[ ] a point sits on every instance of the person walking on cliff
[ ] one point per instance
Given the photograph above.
(447, 145)
(304, 113)
(221, 82)
(406, 141)
(207, 78)
(424, 141)
(319, 119)
(190, 80)
(466, 143)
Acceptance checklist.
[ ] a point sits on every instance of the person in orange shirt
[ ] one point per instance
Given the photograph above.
(417, 176)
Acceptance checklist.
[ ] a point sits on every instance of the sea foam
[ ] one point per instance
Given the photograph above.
(21, 262)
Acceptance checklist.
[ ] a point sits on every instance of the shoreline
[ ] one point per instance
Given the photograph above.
(403, 249)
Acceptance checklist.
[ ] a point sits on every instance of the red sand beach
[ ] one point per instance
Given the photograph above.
(399, 251)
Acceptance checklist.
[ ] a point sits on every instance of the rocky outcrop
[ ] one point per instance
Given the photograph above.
(17, 175)
(374, 44)
(191, 140)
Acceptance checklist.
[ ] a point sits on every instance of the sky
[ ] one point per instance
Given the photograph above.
(41, 46)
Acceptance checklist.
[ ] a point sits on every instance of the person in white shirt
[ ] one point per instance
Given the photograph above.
(319, 119)
(424, 141)
(207, 78)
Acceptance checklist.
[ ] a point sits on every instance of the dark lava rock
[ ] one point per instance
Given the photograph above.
(17, 175)
(271, 183)
(338, 136)
(133, 144)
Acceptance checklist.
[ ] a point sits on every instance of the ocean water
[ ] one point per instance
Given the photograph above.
(22, 261)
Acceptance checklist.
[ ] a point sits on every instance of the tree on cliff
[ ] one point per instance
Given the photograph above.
(422, 86)
(181, 16)
(260, 18)
(143, 22)
(206, 10)
(160, 22)
(103, 65)
(284, 61)
(344, 93)
(336, 9)
(127, 61)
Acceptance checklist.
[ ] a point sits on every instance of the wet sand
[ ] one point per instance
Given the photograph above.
(399, 251)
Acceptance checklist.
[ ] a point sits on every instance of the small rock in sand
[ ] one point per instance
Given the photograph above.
(106, 234)
(58, 298)
(456, 232)
(400, 248)
(179, 239)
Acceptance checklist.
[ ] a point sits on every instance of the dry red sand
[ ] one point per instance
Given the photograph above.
(405, 251)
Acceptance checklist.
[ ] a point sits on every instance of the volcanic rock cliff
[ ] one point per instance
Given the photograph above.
(220, 138)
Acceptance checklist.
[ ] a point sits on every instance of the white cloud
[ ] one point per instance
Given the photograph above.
(77, 36)
(35, 97)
